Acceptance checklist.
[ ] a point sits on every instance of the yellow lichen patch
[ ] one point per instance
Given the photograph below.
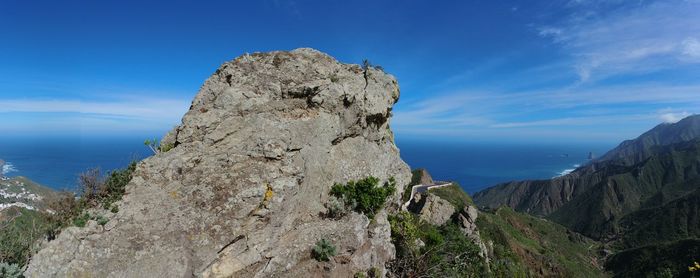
(173, 194)
(269, 193)
(267, 197)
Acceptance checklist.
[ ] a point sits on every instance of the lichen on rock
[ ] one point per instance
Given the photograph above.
(277, 128)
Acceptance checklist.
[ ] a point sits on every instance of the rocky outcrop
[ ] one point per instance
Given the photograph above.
(242, 192)
(467, 221)
(432, 209)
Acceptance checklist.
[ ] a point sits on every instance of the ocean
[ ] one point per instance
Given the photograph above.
(56, 162)
(476, 166)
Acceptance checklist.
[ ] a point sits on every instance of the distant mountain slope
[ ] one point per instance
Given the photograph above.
(542, 197)
(660, 260)
(668, 173)
(634, 151)
(641, 199)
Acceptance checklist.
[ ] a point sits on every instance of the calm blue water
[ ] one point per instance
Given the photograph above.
(479, 165)
(57, 162)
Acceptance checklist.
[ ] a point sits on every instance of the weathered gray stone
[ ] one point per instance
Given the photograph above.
(435, 210)
(242, 192)
(467, 220)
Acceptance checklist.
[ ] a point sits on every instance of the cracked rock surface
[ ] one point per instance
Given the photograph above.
(242, 192)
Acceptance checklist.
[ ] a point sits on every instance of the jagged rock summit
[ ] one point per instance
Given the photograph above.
(242, 192)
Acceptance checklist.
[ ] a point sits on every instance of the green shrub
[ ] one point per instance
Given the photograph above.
(101, 220)
(336, 208)
(114, 209)
(364, 196)
(166, 147)
(81, 220)
(324, 250)
(446, 252)
(8, 270)
(115, 185)
(156, 146)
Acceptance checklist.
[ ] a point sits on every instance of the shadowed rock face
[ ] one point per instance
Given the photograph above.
(242, 192)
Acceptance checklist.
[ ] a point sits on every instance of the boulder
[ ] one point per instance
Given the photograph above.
(242, 191)
(434, 210)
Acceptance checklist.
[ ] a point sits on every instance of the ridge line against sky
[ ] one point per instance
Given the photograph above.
(585, 70)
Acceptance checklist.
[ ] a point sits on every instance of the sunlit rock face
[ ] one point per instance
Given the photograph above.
(242, 191)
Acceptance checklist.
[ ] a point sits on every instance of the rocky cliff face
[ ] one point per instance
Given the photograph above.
(242, 192)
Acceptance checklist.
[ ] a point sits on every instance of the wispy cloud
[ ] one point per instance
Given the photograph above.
(154, 109)
(631, 38)
(123, 114)
(669, 116)
(565, 110)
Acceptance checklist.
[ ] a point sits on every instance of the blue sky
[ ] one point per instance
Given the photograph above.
(510, 71)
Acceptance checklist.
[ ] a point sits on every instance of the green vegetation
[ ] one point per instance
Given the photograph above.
(101, 220)
(324, 250)
(10, 270)
(526, 245)
(336, 208)
(454, 194)
(364, 196)
(416, 176)
(19, 234)
(81, 220)
(371, 273)
(156, 146)
(424, 250)
(96, 190)
(673, 257)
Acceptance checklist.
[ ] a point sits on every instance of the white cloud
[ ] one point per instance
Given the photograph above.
(550, 32)
(634, 38)
(691, 47)
(157, 109)
(563, 110)
(673, 117)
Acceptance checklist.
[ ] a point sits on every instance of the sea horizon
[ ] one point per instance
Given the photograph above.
(56, 163)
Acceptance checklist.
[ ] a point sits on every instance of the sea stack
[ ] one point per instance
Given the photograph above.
(242, 192)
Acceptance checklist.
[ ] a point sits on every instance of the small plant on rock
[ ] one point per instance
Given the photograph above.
(101, 220)
(10, 270)
(336, 208)
(81, 220)
(156, 146)
(324, 250)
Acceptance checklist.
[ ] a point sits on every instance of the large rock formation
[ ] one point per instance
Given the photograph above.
(242, 192)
